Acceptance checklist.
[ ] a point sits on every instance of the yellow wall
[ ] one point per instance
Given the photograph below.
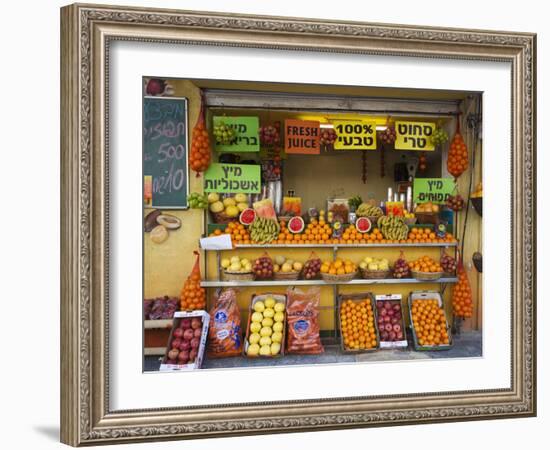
(167, 265)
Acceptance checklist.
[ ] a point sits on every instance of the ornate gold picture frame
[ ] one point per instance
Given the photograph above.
(87, 32)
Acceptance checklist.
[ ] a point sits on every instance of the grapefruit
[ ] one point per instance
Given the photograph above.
(363, 224)
(247, 216)
(296, 225)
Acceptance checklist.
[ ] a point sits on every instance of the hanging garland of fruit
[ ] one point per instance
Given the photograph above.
(270, 134)
(364, 166)
(457, 160)
(439, 136)
(422, 162)
(455, 202)
(224, 134)
(386, 137)
(328, 137)
(199, 156)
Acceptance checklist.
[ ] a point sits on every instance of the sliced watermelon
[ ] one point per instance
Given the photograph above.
(247, 216)
(363, 224)
(296, 225)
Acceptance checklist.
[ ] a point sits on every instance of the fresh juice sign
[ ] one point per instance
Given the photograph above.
(355, 135)
(414, 136)
(302, 137)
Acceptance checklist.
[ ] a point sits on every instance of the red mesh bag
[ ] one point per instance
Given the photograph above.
(303, 330)
(224, 333)
(193, 296)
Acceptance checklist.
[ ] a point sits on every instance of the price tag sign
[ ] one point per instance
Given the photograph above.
(414, 136)
(302, 137)
(435, 190)
(232, 178)
(355, 135)
(247, 138)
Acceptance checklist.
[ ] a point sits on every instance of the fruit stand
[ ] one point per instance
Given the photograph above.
(343, 206)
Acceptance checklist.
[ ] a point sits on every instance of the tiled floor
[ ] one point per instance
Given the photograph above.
(466, 345)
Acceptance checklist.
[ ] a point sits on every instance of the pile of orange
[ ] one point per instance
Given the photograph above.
(193, 296)
(429, 322)
(357, 321)
(426, 235)
(338, 267)
(462, 295)
(239, 234)
(316, 232)
(425, 264)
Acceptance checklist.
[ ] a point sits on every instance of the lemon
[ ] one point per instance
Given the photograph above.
(226, 263)
(265, 340)
(278, 326)
(279, 307)
(277, 337)
(267, 322)
(275, 348)
(253, 350)
(265, 350)
(279, 316)
(254, 338)
(259, 306)
(269, 313)
(229, 202)
(266, 331)
(257, 317)
(232, 211)
(255, 327)
(269, 302)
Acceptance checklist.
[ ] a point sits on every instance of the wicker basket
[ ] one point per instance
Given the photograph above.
(410, 220)
(427, 217)
(237, 276)
(286, 276)
(375, 274)
(329, 278)
(222, 218)
(427, 276)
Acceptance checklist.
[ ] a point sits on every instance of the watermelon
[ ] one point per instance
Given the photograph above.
(363, 224)
(247, 216)
(296, 225)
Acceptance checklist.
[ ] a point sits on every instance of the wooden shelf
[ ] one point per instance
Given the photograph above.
(213, 284)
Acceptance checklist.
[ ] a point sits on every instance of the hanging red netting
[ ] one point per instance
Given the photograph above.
(200, 154)
(462, 294)
(457, 159)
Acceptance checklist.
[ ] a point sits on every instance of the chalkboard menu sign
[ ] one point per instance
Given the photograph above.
(165, 173)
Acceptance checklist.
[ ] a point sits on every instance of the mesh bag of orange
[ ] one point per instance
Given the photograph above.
(193, 296)
(199, 156)
(224, 333)
(457, 159)
(462, 294)
(303, 329)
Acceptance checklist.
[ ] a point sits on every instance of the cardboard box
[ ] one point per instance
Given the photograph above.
(425, 295)
(178, 316)
(394, 298)
(255, 298)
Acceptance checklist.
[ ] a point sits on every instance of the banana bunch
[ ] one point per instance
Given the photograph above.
(366, 210)
(393, 228)
(263, 230)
